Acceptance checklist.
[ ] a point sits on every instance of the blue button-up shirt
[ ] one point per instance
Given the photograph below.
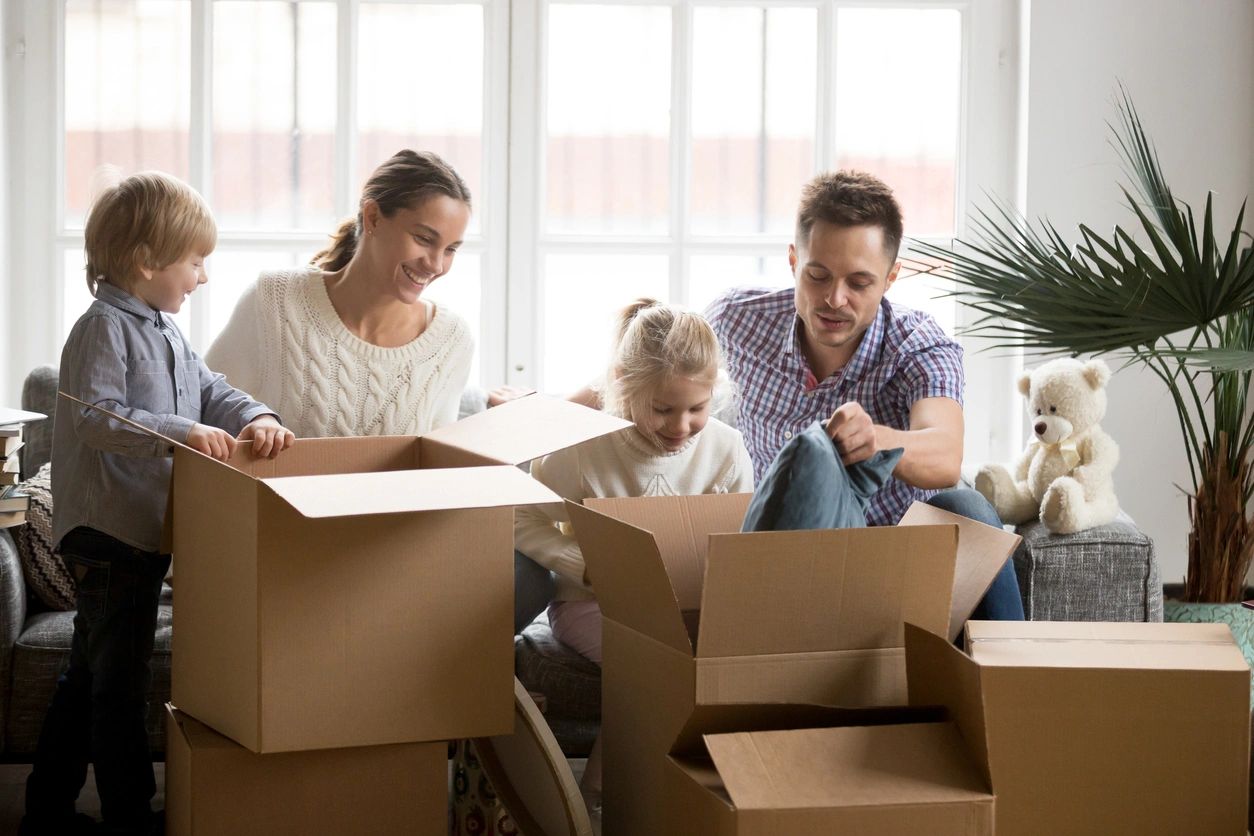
(132, 360)
(904, 356)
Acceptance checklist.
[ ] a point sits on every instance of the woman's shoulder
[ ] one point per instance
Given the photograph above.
(281, 282)
(451, 328)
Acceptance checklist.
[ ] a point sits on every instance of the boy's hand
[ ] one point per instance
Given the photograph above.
(211, 441)
(269, 437)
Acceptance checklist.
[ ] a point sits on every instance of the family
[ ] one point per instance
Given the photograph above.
(350, 346)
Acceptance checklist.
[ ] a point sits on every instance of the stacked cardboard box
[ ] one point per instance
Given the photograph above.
(343, 610)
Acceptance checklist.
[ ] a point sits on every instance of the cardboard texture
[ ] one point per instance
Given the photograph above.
(699, 614)
(1086, 728)
(347, 592)
(215, 787)
(904, 778)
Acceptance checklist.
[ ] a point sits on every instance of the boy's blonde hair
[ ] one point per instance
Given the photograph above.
(148, 220)
(656, 342)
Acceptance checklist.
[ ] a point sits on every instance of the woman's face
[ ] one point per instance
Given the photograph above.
(416, 246)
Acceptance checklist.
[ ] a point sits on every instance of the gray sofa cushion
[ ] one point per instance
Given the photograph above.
(1107, 573)
(42, 653)
(570, 683)
(39, 394)
(12, 616)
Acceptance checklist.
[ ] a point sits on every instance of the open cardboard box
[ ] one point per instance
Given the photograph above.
(215, 787)
(358, 591)
(738, 770)
(1091, 728)
(698, 614)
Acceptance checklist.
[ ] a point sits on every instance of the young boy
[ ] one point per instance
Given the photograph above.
(146, 241)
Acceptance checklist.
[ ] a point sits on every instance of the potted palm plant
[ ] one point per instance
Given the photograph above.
(1169, 294)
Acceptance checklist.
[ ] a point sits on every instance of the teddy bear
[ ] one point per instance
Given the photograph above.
(1064, 475)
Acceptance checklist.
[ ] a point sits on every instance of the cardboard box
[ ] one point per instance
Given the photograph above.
(808, 770)
(698, 614)
(215, 787)
(359, 591)
(1085, 728)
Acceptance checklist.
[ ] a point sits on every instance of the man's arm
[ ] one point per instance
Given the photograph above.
(933, 444)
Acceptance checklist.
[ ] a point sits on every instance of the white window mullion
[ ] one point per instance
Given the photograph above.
(200, 134)
(825, 89)
(681, 143)
(346, 106)
(526, 191)
(493, 276)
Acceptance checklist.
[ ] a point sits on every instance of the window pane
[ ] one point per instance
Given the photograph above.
(583, 295)
(461, 290)
(898, 74)
(127, 72)
(420, 86)
(753, 117)
(919, 289)
(710, 275)
(273, 114)
(609, 99)
(231, 272)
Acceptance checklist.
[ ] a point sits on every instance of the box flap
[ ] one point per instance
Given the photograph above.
(937, 673)
(626, 570)
(982, 551)
(1137, 646)
(404, 491)
(916, 763)
(526, 428)
(128, 422)
(198, 736)
(681, 526)
(743, 717)
(832, 589)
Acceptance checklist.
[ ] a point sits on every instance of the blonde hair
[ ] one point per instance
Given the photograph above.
(403, 181)
(148, 220)
(657, 342)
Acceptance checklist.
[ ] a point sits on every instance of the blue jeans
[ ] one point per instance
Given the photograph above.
(100, 704)
(1002, 602)
(534, 587)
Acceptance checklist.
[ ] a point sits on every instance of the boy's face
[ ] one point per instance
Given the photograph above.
(166, 288)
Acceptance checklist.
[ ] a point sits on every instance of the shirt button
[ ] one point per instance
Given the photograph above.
(787, 435)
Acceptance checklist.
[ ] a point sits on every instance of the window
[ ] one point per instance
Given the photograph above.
(614, 149)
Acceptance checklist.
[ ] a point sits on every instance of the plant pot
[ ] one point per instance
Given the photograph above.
(1239, 620)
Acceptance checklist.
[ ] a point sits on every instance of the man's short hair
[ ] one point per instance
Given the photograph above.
(149, 219)
(850, 198)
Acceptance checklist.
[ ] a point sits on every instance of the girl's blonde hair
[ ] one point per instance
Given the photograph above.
(657, 342)
(148, 220)
(403, 181)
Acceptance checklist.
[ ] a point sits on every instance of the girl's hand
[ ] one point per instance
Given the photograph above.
(211, 441)
(268, 436)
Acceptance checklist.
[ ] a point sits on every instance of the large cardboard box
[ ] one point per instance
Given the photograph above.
(359, 591)
(215, 787)
(806, 770)
(1086, 728)
(698, 614)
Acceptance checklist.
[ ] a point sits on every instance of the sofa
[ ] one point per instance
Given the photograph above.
(1103, 574)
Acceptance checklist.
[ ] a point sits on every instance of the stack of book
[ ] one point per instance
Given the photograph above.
(13, 500)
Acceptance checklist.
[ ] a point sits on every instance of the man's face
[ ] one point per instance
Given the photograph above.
(841, 274)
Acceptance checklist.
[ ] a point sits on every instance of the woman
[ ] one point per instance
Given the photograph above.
(348, 346)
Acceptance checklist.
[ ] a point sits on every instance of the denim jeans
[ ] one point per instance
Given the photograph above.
(1002, 602)
(534, 587)
(100, 704)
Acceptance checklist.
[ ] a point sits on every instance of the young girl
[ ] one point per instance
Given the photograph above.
(662, 378)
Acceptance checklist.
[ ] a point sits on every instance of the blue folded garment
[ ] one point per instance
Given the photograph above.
(807, 486)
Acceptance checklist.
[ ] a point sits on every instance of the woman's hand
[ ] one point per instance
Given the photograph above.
(501, 394)
(211, 441)
(268, 436)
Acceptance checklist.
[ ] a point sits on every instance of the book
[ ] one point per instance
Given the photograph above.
(10, 445)
(11, 464)
(9, 477)
(13, 498)
(8, 519)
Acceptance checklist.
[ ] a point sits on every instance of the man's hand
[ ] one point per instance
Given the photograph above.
(268, 436)
(211, 441)
(854, 433)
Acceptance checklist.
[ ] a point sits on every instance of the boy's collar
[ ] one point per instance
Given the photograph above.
(121, 299)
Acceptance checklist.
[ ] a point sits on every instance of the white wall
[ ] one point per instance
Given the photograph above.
(1189, 67)
(5, 51)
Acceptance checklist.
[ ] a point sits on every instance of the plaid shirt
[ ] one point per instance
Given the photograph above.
(904, 356)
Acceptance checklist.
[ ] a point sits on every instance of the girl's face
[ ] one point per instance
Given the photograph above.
(416, 246)
(678, 410)
(167, 288)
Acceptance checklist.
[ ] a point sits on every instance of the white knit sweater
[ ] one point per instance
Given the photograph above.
(287, 347)
(622, 464)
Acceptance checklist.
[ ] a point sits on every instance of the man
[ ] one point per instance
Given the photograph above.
(834, 349)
